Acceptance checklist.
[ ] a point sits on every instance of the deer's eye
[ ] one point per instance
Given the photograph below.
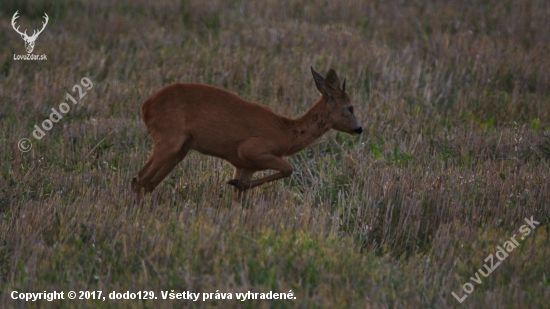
(350, 109)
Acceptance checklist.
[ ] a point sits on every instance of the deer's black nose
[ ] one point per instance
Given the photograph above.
(358, 130)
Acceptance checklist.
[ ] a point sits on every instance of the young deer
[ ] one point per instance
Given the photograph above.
(212, 121)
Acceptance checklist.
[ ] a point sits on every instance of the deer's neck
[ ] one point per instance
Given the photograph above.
(306, 129)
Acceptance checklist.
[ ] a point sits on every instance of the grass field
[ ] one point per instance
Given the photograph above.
(454, 99)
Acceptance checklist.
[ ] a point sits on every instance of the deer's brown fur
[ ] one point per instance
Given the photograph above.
(188, 116)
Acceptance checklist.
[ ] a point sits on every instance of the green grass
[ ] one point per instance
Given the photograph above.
(454, 100)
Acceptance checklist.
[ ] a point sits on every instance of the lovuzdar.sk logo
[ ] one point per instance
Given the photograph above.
(29, 40)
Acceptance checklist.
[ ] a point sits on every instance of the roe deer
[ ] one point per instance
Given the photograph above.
(212, 121)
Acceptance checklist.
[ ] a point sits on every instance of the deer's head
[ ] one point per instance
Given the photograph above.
(339, 104)
(29, 40)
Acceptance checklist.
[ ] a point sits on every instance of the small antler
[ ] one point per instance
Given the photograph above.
(43, 26)
(17, 29)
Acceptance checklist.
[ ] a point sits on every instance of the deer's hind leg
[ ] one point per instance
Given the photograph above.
(167, 153)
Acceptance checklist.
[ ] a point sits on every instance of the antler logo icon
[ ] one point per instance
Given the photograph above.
(29, 40)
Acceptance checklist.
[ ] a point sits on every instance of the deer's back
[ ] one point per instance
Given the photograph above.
(216, 120)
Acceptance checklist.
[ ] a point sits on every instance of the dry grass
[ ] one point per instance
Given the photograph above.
(455, 103)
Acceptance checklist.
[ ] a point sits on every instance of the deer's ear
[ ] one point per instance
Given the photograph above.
(344, 85)
(319, 80)
(332, 81)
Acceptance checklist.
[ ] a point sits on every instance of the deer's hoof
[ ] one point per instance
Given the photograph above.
(134, 185)
(234, 182)
(239, 184)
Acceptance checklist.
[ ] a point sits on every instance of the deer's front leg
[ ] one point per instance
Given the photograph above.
(265, 162)
(241, 175)
(259, 154)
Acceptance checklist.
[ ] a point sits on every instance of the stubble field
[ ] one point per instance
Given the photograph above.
(454, 99)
